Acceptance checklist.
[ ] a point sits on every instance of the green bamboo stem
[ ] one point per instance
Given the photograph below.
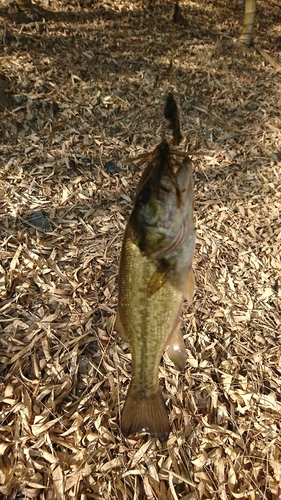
(248, 24)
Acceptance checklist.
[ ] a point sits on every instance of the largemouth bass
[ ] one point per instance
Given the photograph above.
(155, 276)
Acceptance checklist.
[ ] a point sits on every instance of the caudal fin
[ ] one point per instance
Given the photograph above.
(145, 415)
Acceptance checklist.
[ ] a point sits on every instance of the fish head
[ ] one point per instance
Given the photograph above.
(162, 216)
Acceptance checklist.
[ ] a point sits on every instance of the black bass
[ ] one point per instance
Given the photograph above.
(155, 276)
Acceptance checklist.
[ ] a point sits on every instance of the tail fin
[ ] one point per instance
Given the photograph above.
(142, 414)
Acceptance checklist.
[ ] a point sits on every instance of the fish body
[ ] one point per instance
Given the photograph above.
(154, 278)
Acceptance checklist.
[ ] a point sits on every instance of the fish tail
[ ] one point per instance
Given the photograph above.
(145, 414)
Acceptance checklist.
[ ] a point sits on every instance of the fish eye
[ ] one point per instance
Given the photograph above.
(144, 196)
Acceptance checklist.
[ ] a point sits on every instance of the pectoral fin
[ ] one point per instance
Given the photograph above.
(189, 286)
(159, 277)
(176, 348)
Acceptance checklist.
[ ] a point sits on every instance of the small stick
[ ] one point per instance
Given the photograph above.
(268, 58)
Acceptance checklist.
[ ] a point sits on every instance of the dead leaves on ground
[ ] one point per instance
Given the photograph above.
(63, 371)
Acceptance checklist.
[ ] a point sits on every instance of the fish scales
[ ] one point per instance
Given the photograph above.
(148, 317)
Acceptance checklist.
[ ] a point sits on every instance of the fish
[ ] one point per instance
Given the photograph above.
(155, 276)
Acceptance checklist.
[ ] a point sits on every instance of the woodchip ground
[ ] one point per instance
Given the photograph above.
(85, 85)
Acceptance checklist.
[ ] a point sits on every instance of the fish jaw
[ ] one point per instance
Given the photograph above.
(145, 413)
